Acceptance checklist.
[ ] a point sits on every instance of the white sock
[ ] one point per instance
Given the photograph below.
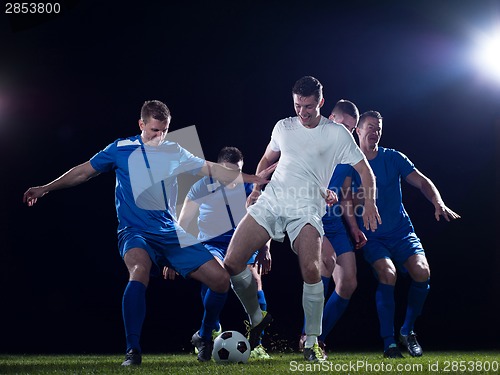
(245, 288)
(313, 301)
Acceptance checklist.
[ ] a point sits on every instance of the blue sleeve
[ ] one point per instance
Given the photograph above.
(105, 160)
(248, 188)
(189, 163)
(198, 190)
(402, 163)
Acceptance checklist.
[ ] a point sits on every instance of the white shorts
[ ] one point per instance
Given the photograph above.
(277, 218)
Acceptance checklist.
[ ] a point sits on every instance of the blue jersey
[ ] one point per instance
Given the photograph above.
(146, 181)
(340, 172)
(221, 208)
(389, 166)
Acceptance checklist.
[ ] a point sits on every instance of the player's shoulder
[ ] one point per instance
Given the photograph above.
(394, 156)
(390, 152)
(288, 123)
(128, 141)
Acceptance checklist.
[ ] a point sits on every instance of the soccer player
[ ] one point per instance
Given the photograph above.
(394, 245)
(337, 253)
(308, 147)
(219, 208)
(146, 166)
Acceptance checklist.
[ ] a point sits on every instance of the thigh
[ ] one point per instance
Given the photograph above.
(308, 248)
(249, 235)
(345, 268)
(385, 271)
(138, 264)
(418, 267)
(327, 258)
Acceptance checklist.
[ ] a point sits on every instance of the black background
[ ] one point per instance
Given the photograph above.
(74, 82)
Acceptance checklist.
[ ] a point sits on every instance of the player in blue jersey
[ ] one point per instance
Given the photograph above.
(218, 209)
(146, 166)
(337, 253)
(394, 245)
(308, 147)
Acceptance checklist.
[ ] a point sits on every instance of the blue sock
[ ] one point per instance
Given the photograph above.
(203, 293)
(213, 304)
(263, 306)
(334, 308)
(134, 312)
(326, 284)
(416, 299)
(384, 298)
(262, 300)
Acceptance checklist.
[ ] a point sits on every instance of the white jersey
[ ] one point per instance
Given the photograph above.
(308, 158)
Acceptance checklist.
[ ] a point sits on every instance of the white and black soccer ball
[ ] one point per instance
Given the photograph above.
(231, 347)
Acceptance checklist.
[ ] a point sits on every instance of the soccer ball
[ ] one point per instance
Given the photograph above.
(231, 347)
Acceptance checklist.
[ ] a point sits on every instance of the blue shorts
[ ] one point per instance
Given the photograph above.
(219, 250)
(396, 247)
(337, 235)
(164, 250)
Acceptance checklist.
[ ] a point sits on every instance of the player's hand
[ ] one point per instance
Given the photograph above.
(265, 173)
(331, 198)
(263, 261)
(359, 238)
(252, 198)
(169, 273)
(371, 217)
(442, 210)
(31, 195)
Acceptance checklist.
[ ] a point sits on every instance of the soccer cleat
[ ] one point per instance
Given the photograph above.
(254, 333)
(322, 345)
(259, 352)
(392, 352)
(132, 358)
(204, 347)
(215, 334)
(302, 341)
(410, 342)
(314, 354)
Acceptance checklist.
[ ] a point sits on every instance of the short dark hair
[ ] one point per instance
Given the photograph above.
(156, 110)
(230, 155)
(347, 107)
(373, 114)
(307, 86)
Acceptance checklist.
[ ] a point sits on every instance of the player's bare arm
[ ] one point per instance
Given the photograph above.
(268, 161)
(75, 176)
(371, 217)
(227, 175)
(188, 212)
(263, 260)
(430, 191)
(347, 204)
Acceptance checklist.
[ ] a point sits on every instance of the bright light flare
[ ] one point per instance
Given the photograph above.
(487, 54)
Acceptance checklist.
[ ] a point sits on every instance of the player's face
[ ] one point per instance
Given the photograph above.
(370, 132)
(153, 131)
(347, 120)
(307, 109)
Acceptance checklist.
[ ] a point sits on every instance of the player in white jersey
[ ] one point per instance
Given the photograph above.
(308, 147)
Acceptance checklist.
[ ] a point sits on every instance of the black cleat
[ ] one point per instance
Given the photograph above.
(410, 342)
(204, 347)
(132, 358)
(314, 354)
(393, 352)
(254, 333)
